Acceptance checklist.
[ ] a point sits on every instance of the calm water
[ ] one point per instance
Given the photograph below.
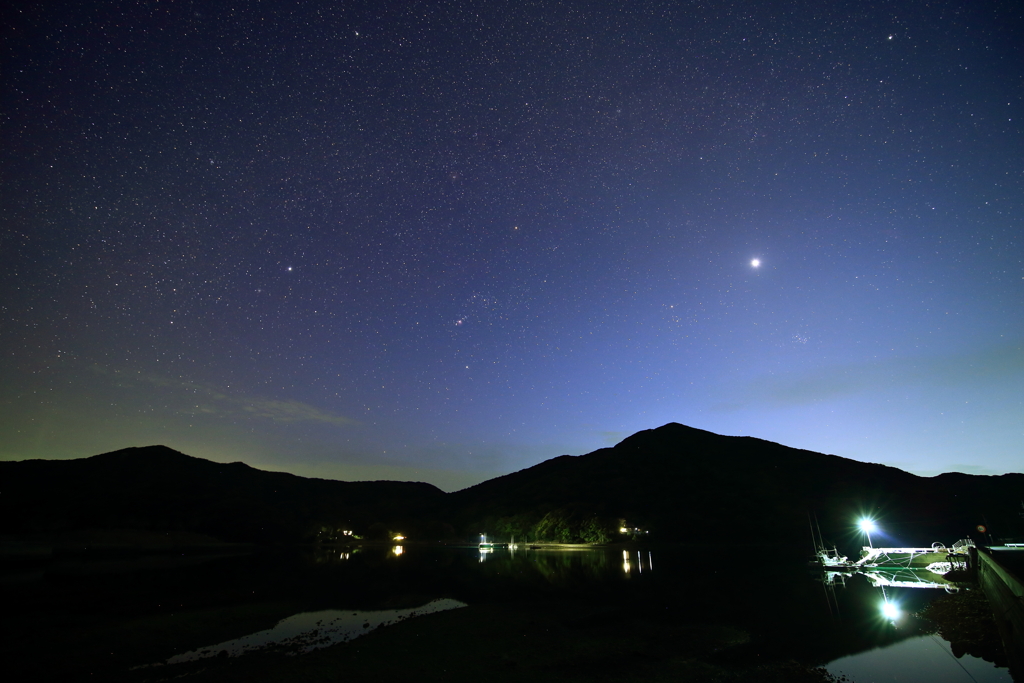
(862, 626)
(919, 658)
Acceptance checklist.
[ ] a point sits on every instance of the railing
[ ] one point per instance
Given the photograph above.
(962, 544)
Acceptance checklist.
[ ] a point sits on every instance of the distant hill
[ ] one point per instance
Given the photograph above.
(672, 483)
(688, 484)
(157, 488)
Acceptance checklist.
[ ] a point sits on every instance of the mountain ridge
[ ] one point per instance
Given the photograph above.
(672, 480)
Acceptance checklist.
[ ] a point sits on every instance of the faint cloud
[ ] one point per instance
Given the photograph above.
(612, 437)
(210, 400)
(957, 467)
(445, 479)
(796, 389)
(293, 411)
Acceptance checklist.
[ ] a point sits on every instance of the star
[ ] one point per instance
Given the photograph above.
(755, 263)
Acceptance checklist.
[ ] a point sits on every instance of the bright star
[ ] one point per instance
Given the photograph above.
(755, 263)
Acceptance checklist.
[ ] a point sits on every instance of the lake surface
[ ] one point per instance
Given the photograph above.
(655, 609)
(919, 658)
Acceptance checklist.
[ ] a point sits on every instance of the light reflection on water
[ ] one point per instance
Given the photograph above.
(629, 563)
(590, 562)
(916, 656)
(921, 658)
(308, 631)
(884, 577)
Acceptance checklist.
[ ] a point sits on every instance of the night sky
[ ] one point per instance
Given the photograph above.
(445, 241)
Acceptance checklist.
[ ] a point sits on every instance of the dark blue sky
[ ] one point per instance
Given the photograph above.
(444, 241)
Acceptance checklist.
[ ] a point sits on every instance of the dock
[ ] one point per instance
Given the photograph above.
(952, 557)
(999, 570)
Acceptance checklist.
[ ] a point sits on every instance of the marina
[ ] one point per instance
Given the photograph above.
(993, 571)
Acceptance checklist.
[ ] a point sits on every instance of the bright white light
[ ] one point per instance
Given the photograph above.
(755, 263)
(867, 526)
(890, 611)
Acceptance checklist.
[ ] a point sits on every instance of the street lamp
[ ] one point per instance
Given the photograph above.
(867, 526)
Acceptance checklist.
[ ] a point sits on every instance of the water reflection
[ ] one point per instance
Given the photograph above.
(888, 586)
(308, 631)
(909, 578)
(628, 564)
(920, 658)
(893, 577)
(564, 566)
(773, 608)
(904, 648)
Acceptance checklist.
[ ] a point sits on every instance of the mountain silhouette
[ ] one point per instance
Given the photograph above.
(158, 488)
(692, 485)
(673, 483)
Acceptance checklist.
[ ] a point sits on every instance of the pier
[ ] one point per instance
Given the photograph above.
(999, 570)
(951, 557)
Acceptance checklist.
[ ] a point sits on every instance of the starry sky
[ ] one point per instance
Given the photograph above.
(443, 241)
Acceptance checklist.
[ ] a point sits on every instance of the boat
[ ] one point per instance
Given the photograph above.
(936, 558)
(826, 558)
(829, 559)
(914, 558)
